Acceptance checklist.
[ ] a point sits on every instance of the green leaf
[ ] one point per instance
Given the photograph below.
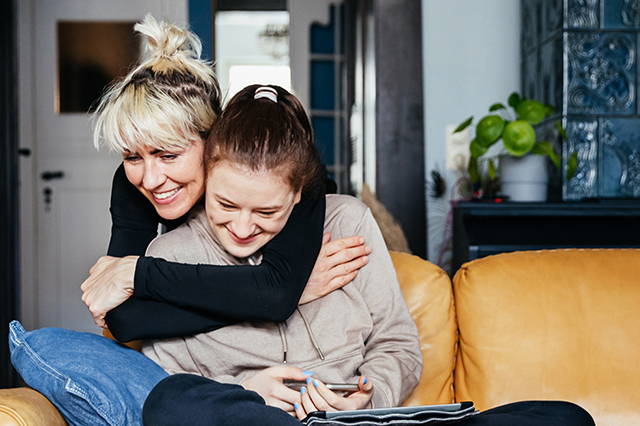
(514, 100)
(518, 138)
(473, 170)
(561, 130)
(476, 149)
(489, 130)
(531, 111)
(464, 125)
(545, 148)
(492, 169)
(572, 165)
(496, 107)
(549, 109)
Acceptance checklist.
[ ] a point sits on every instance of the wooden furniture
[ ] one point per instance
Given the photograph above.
(481, 229)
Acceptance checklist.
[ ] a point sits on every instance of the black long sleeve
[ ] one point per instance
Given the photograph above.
(208, 297)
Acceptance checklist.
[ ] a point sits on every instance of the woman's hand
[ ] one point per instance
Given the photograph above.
(316, 397)
(337, 265)
(268, 383)
(110, 283)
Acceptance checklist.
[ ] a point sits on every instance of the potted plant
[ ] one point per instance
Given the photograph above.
(515, 130)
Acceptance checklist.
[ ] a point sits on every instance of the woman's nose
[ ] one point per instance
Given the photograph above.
(244, 225)
(153, 176)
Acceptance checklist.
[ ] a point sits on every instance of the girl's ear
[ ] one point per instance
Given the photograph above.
(298, 196)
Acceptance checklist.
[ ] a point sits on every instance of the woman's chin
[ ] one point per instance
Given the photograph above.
(170, 212)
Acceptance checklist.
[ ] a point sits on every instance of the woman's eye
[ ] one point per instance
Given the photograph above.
(266, 214)
(131, 158)
(169, 156)
(226, 206)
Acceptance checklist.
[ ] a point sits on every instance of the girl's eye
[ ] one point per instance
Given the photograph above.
(169, 156)
(131, 158)
(266, 214)
(226, 206)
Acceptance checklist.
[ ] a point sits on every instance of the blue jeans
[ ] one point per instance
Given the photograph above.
(92, 380)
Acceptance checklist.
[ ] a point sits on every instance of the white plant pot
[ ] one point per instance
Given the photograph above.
(524, 178)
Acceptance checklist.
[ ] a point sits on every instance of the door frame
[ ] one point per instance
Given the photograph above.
(9, 214)
(26, 135)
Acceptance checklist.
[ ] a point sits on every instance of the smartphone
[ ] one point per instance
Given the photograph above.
(342, 387)
(345, 387)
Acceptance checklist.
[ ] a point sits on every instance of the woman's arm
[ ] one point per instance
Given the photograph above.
(269, 291)
(134, 220)
(209, 297)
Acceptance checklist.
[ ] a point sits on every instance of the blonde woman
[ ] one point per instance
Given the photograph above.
(159, 117)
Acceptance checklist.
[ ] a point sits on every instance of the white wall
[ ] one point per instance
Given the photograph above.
(471, 60)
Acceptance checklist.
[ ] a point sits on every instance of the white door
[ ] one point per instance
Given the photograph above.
(65, 220)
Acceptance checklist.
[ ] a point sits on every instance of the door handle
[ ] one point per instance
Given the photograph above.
(25, 152)
(50, 175)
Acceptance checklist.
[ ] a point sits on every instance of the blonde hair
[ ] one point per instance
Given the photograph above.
(167, 102)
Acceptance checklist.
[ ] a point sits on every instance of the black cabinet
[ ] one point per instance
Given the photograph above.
(482, 229)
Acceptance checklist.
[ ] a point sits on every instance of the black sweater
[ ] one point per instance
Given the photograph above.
(173, 299)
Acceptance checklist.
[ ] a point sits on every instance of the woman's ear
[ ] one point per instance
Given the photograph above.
(298, 196)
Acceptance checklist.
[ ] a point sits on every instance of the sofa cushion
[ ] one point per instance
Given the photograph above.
(559, 324)
(90, 379)
(427, 291)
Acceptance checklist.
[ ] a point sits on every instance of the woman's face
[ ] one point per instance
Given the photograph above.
(247, 209)
(172, 180)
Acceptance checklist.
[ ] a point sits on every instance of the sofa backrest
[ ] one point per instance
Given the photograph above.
(429, 296)
(552, 325)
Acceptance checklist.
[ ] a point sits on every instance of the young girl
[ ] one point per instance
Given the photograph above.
(259, 162)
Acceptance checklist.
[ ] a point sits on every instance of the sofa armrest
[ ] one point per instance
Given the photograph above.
(427, 290)
(551, 325)
(27, 407)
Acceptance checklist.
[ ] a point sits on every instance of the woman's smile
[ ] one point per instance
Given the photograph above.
(239, 240)
(166, 197)
(246, 208)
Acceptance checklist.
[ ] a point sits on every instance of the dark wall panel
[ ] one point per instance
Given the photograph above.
(400, 180)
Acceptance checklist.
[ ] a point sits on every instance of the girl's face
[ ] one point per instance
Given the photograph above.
(247, 209)
(172, 180)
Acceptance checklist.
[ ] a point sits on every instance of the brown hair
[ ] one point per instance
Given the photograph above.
(261, 134)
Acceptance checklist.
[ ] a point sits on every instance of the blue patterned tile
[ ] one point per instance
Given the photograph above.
(583, 14)
(582, 138)
(551, 74)
(602, 73)
(621, 14)
(620, 157)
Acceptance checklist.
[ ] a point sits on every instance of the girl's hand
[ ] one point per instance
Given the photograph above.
(109, 284)
(268, 383)
(316, 397)
(337, 265)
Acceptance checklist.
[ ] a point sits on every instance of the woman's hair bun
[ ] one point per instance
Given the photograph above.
(167, 42)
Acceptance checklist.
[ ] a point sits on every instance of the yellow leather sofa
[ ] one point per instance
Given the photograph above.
(551, 325)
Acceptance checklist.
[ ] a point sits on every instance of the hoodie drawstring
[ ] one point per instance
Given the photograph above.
(283, 337)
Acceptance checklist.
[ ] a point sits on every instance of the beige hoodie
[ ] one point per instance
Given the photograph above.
(362, 329)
